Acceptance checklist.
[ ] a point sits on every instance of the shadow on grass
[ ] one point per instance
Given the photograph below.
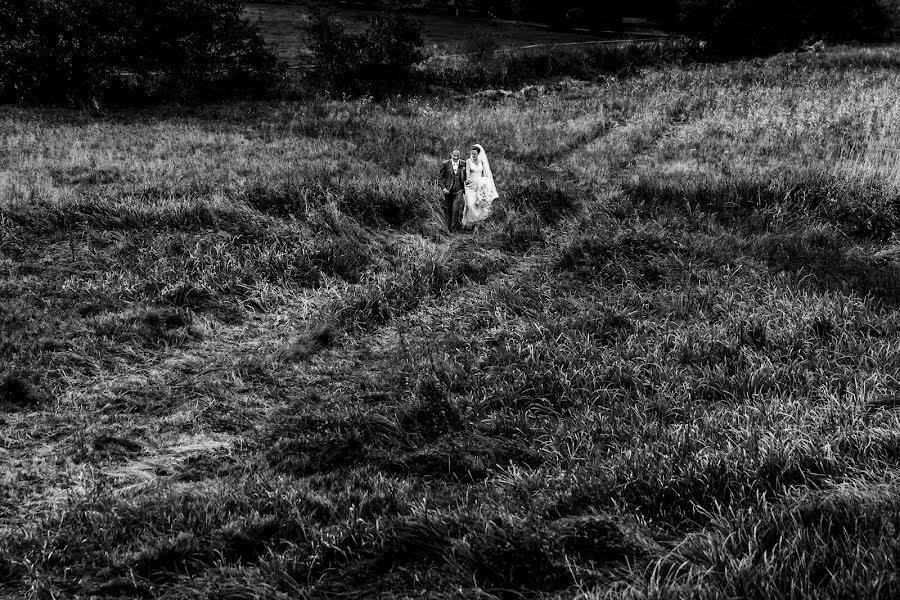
(822, 257)
(637, 255)
(427, 439)
(391, 206)
(549, 200)
(811, 228)
(861, 209)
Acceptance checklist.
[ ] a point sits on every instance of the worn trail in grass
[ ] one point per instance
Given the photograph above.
(210, 392)
(192, 413)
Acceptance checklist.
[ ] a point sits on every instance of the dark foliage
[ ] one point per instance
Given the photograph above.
(83, 51)
(516, 69)
(521, 233)
(743, 28)
(377, 61)
(386, 60)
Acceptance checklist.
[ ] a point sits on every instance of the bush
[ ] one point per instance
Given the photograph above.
(81, 51)
(377, 61)
(744, 28)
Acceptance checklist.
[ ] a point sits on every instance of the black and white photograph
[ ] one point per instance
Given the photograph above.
(450, 299)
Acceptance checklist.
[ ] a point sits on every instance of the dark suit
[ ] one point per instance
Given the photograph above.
(455, 182)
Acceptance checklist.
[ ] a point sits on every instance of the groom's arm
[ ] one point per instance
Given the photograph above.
(443, 177)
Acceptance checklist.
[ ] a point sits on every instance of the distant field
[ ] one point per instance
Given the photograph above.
(282, 27)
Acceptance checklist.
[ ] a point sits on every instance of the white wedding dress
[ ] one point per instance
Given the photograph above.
(480, 189)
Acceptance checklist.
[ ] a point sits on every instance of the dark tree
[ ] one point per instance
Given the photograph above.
(76, 51)
(735, 28)
(378, 61)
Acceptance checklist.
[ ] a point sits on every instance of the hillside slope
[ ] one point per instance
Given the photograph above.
(240, 359)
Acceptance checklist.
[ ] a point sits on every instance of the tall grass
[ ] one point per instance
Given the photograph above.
(666, 368)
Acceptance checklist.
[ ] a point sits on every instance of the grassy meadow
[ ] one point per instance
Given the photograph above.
(240, 358)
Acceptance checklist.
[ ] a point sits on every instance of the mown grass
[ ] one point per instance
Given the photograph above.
(241, 359)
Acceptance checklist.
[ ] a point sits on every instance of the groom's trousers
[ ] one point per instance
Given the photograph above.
(453, 205)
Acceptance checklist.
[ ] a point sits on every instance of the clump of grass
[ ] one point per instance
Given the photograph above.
(549, 200)
(514, 556)
(148, 326)
(628, 255)
(306, 343)
(394, 203)
(16, 391)
(825, 255)
(792, 547)
(433, 415)
(599, 539)
(865, 209)
(377, 299)
(521, 231)
(312, 445)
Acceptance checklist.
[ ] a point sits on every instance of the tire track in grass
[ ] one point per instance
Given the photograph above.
(125, 451)
(341, 379)
(231, 372)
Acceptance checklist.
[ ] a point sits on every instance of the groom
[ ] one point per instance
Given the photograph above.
(453, 181)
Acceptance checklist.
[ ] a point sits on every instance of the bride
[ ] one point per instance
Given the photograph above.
(480, 189)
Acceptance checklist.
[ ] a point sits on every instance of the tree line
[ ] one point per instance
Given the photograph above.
(90, 51)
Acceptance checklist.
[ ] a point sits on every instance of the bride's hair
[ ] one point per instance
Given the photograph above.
(475, 148)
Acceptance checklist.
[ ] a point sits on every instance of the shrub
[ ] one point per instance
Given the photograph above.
(78, 51)
(46, 53)
(201, 47)
(377, 61)
(742, 28)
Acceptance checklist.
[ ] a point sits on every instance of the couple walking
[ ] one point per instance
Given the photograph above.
(468, 188)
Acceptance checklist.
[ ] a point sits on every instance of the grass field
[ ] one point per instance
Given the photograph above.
(240, 358)
(282, 27)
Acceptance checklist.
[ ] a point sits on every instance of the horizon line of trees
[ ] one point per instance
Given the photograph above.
(75, 51)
